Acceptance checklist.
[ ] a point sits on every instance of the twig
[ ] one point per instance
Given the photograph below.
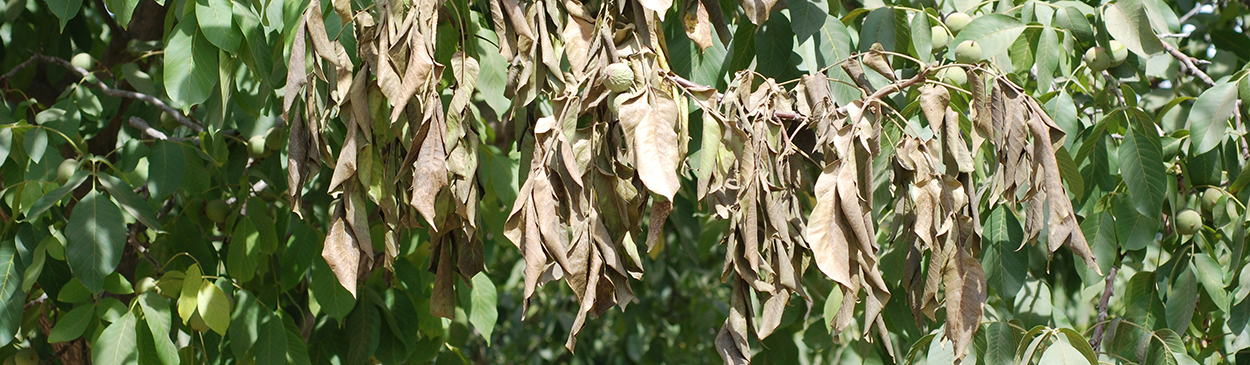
(1245, 149)
(8, 75)
(107, 90)
(147, 129)
(1095, 340)
(1188, 63)
(1197, 7)
(134, 240)
(687, 84)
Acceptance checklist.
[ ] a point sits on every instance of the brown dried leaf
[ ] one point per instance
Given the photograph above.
(856, 73)
(429, 171)
(876, 60)
(731, 341)
(345, 167)
(955, 145)
(443, 295)
(321, 42)
(757, 10)
(656, 145)
(934, 99)
(417, 75)
(340, 251)
(578, 37)
(296, 71)
(298, 144)
(344, 9)
(825, 236)
(465, 69)
(655, 234)
(965, 294)
(698, 25)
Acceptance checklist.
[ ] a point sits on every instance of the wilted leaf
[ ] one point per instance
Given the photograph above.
(656, 144)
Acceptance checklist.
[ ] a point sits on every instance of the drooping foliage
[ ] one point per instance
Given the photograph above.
(473, 181)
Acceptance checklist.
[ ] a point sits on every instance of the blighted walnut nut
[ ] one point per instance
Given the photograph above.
(618, 77)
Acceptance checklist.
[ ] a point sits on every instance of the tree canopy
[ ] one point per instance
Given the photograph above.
(623, 181)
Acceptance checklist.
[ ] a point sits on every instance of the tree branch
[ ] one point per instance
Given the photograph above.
(1187, 63)
(110, 91)
(1095, 340)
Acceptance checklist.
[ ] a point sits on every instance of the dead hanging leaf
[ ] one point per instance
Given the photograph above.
(731, 341)
(955, 142)
(853, 69)
(824, 234)
(296, 71)
(443, 295)
(698, 25)
(345, 168)
(965, 294)
(934, 99)
(465, 69)
(655, 142)
(1062, 221)
(340, 251)
(578, 36)
(655, 235)
(321, 41)
(417, 75)
(298, 162)
(429, 171)
(344, 9)
(876, 60)
(757, 10)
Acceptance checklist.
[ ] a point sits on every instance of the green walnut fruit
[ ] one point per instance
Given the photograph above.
(618, 77)
(26, 357)
(168, 122)
(1118, 53)
(1210, 198)
(10, 361)
(66, 170)
(83, 60)
(968, 52)
(957, 21)
(256, 147)
(1188, 222)
(273, 139)
(145, 285)
(1097, 59)
(216, 210)
(954, 76)
(940, 38)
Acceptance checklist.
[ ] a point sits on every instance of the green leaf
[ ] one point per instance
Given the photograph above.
(482, 311)
(167, 167)
(1182, 299)
(1211, 274)
(1061, 352)
(1072, 19)
(12, 298)
(190, 65)
(363, 329)
(96, 233)
(1127, 22)
(244, 323)
(64, 10)
(922, 37)
(993, 32)
(271, 341)
(1000, 347)
(36, 143)
(72, 324)
(214, 307)
(74, 292)
(122, 11)
(1047, 59)
(116, 345)
(131, 202)
(189, 297)
(1133, 230)
(1208, 118)
(117, 284)
(157, 317)
(1141, 165)
(887, 26)
(334, 299)
(6, 144)
(216, 21)
(242, 258)
(1069, 172)
(1005, 265)
(48, 200)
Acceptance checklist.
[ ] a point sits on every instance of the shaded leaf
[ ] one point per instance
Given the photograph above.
(96, 235)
